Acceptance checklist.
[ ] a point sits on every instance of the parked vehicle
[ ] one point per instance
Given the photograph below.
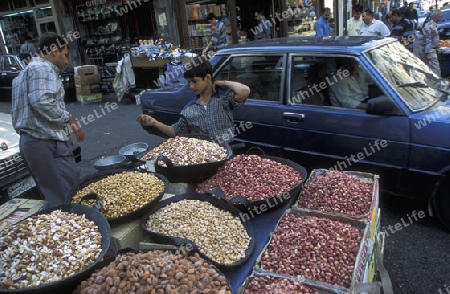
(10, 67)
(14, 175)
(444, 25)
(411, 117)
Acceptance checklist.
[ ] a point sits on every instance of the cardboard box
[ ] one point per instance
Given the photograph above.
(18, 209)
(84, 99)
(85, 70)
(88, 89)
(129, 234)
(90, 79)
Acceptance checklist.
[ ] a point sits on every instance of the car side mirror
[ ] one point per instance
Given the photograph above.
(382, 105)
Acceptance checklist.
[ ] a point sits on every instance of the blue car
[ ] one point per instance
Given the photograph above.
(403, 135)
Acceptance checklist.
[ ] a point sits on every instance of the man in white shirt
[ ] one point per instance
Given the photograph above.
(352, 91)
(355, 23)
(373, 27)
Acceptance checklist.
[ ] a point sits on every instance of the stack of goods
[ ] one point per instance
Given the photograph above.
(88, 84)
(156, 272)
(270, 284)
(219, 235)
(46, 249)
(252, 177)
(348, 194)
(316, 248)
(123, 193)
(187, 151)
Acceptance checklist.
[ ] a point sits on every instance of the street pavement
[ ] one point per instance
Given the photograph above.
(417, 248)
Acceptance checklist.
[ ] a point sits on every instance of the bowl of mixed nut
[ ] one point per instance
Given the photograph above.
(207, 225)
(125, 194)
(186, 159)
(52, 249)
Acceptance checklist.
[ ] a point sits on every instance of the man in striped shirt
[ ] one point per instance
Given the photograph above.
(219, 38)
(39, 116)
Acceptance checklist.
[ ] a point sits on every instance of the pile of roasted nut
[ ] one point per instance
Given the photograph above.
(253, 177)
(47, 248)
(315, 248)
(187, 151)
(275, 285)
(123, 193)
(156, 272)
(219, 235)
(337, 192)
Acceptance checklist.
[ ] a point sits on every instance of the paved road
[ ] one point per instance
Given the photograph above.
(417, 253)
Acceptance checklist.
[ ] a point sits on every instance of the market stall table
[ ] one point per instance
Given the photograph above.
(147, 71)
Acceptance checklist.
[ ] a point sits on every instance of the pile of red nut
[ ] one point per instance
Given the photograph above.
(268, 284)
(313, 247)
(337, 192)
(156, 272)
(253, 177)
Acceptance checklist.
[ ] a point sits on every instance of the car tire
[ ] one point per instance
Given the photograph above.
(441, 202)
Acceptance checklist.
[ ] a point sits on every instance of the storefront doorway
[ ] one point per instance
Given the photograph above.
(245, 11)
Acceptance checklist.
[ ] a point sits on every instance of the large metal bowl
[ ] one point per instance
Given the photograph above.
(135, 150)
(109, 162)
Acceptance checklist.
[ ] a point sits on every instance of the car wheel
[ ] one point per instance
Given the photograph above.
(441, 202)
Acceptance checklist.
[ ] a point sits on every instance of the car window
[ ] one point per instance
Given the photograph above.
(415, 83)
(261, 73)
(10, 64)
(309, 79)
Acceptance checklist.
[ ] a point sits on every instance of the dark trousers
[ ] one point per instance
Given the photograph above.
(53, 167)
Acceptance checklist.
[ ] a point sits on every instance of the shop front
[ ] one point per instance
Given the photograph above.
(22, 18)
(287, 18)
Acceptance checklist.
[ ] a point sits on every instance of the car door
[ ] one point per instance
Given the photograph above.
(337, 137)
(3, 74)
(258, 121)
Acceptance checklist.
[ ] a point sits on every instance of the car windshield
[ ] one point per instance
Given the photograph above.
(410, 77)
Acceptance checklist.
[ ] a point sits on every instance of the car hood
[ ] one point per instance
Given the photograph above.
(432, 126)
(9, 136)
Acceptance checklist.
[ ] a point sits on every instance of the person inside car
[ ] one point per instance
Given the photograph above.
(352, 91)
(211, 114)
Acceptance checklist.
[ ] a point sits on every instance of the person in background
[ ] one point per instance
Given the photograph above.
(373, 27)
(404, 8)
(39, 116)
(219, 39)
(411, 13)
(211, 114)
(262, 30)
(321, 26)
(355, 23)
(429, 42)
(27, 47)
(402, 28)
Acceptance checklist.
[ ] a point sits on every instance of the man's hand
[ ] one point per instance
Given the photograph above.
(146, 120)
(76, 129)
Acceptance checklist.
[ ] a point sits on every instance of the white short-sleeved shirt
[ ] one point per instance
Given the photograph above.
(376, 28)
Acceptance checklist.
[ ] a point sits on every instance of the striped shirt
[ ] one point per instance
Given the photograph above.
(219, 38)
(214, 121)
(38, 107)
